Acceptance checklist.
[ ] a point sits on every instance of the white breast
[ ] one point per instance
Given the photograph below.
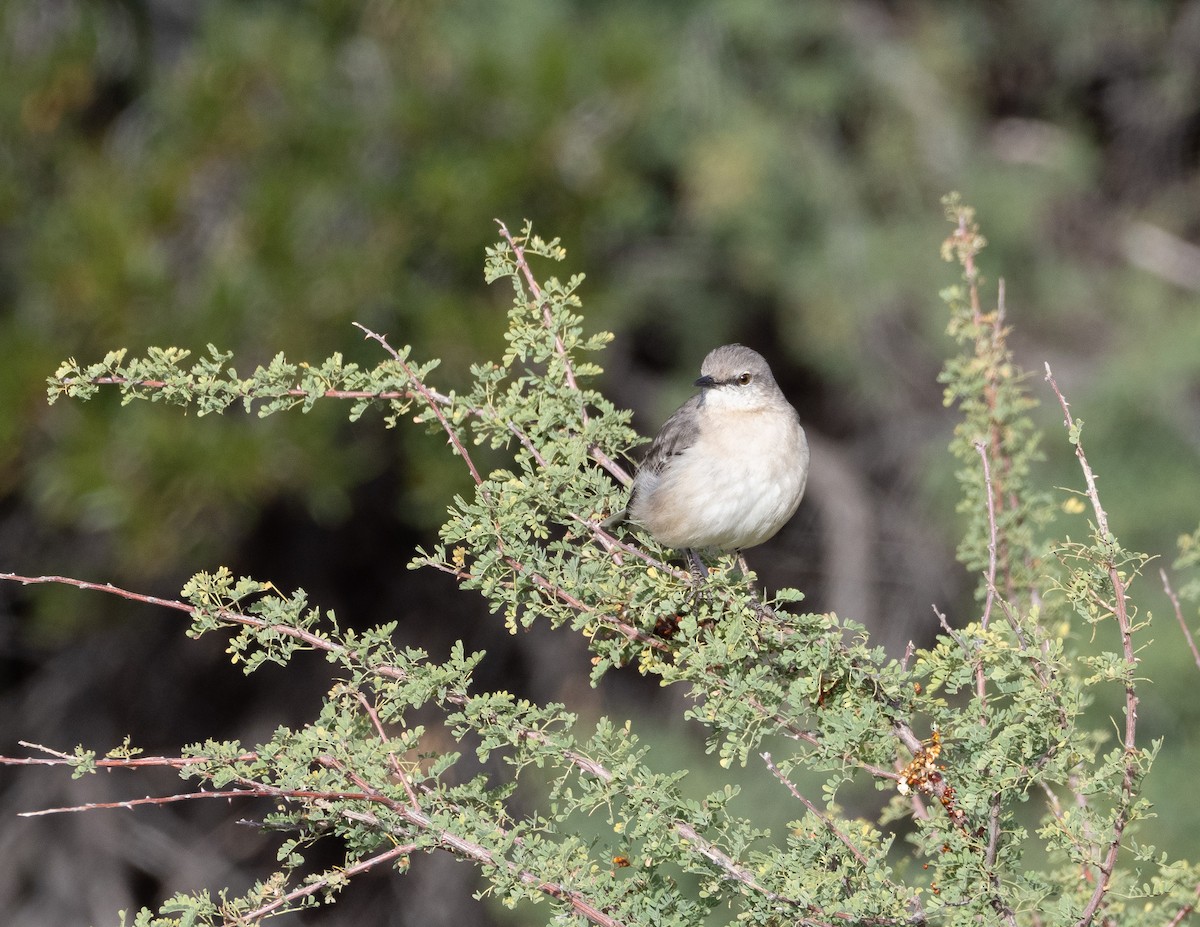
(734, 488)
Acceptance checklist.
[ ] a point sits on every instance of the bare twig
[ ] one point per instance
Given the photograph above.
(958, 639)
(260, 792)
(59, 758)
(1191, 641)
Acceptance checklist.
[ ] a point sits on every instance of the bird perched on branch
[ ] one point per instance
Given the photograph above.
(728, 469)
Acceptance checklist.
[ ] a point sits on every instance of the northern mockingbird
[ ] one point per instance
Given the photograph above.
(728, 469)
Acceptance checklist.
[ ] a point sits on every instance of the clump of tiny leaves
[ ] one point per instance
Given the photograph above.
(1014, 809)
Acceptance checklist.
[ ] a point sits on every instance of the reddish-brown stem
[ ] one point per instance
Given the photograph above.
(58, 758)
(393, 763)
(469, 849)
(1191, 641)
(609, 541)
(1184, 912)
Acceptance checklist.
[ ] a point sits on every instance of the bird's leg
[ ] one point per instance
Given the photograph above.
(700, 591)
(699, 568)
(744, 568)
(761, 608)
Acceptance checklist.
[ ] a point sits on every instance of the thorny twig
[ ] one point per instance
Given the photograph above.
(325, 882)
(430, 400)
(817, 812)
(1119, 608)
(535, 290)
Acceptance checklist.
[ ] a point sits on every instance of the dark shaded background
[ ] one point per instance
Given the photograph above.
(258, 175)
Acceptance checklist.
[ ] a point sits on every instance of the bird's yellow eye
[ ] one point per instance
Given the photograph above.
(745, 379)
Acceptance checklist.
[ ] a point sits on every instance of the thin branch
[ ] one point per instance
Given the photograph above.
(430, 399)
(527, 444)
(1056, 810)
(548, 320)
(411, 814)
(100, 587)
(578, 760)
(294, 392)
(393, 762)
(315, 641)
(1121, 614)
(722, 860)
(325, 882)
(622, 627)
(1089, 477)
(253, 791)
(817, 812)
(993, 844)
(946, 626)
(469, 849)
(623, 476)
(594, 451)
(611, 541)
(1179, 615)
(1184, 912)
(981, 447)
(59, 758)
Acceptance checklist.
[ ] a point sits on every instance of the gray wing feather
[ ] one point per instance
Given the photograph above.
(677, 434)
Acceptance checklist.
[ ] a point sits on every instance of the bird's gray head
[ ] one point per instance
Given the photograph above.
(734, 376)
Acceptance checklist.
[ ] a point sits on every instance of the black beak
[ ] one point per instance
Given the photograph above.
(705, 383)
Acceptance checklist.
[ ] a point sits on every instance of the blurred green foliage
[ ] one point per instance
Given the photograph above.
(258, 175)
